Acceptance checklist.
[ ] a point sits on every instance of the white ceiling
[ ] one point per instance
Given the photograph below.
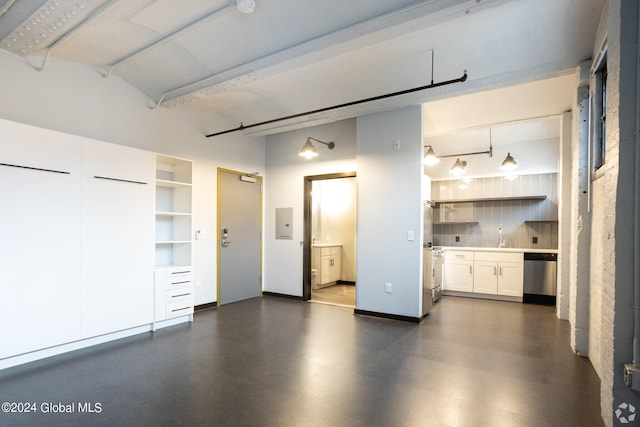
(290, 57)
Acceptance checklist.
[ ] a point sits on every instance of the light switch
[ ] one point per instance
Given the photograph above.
(410, 236)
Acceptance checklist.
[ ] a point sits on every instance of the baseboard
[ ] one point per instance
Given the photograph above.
(345, 282)
(388, 316)
(57, 350)
(205, 306)
(275, 294)
(482, 296)
(539, 299)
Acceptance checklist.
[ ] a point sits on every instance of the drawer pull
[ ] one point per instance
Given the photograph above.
(181, 283)
(180, 309)
(120, 180)
(181, 295)
(181, 272)
(34, 169)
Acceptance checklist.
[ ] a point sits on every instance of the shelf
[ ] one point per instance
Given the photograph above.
(551, 221)
(171, 184)
(490, 199)
(173, 219)
(173, 214)
(457, 223)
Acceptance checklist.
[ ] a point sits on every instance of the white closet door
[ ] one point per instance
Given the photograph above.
(117, 237)
(39, 238)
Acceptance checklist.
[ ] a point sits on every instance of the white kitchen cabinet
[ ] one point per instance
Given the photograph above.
(458, 271)
(499, 273)
(173, 293)
(326, 260)
(511, 279)
(485, 277)
(117, 237)
(39, 239)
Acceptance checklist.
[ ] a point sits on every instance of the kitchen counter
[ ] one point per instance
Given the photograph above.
(485, 249)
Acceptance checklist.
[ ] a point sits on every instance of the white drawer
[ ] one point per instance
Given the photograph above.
(179, 308)
(499, 256)
(178, 282)
(458, 256)
(173, 279)
(179, 295)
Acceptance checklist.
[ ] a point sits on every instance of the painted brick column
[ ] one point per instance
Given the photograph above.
(619, 258)
(580, 217)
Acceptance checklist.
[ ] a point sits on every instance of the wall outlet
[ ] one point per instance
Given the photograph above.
(396, 144)
(387, 288)
(457, 239)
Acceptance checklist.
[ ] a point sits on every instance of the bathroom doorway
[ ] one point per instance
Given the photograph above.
(329, 254)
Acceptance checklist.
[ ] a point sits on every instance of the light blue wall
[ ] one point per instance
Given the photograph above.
(389, 206)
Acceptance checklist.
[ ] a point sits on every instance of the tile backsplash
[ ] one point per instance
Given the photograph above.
(525, 223)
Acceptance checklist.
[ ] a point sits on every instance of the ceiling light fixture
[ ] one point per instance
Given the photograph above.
(309, 151)
(430, 157)
(246, 6)
(458, 167)
(509, 163)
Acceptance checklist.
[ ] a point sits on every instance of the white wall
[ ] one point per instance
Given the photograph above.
(76, 99)
(617, 236)
(284, 188)
(390, 205)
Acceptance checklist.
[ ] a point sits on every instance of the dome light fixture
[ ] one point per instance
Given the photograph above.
(309, 151)
(246, 6)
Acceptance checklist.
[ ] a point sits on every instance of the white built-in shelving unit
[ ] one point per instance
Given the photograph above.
(174, 225)
(173, 212)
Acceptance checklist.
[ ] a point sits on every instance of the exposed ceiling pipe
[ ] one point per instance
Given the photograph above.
(6, 7)
(66, 36)
(347, 104)
(170, 36)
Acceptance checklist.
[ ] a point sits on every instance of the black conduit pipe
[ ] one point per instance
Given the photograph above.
(347, 104)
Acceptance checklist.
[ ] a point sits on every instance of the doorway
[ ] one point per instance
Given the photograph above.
(239, 236)
(329, 251)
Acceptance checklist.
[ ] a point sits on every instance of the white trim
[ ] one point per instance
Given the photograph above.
(88, 342)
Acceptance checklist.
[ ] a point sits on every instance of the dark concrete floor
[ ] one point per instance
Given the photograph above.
(278, 362)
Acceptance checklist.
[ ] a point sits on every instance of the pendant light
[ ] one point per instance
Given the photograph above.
(458, 167)
(309, 151)
(509, 163)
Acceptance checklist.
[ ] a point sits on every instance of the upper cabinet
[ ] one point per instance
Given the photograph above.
(173, 185)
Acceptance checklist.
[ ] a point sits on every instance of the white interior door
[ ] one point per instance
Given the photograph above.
(239, 231)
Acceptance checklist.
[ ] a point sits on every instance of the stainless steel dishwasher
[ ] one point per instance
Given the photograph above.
(540, 282)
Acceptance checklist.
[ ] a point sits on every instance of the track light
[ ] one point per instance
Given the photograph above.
(458, 167)
(309, 151)
(509, 163)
